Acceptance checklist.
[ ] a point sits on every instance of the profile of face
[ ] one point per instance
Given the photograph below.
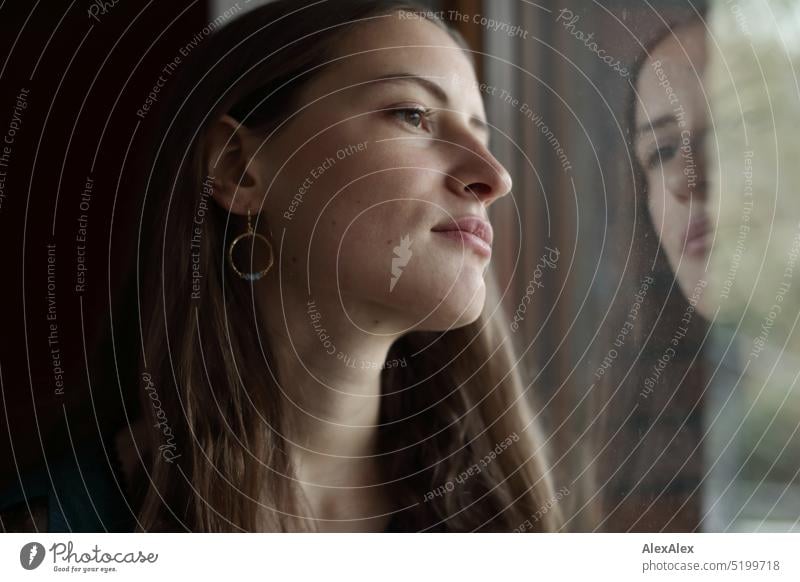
(376, 190)
(670, 127)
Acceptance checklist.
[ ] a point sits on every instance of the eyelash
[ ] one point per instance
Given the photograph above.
(424, 114)
(657, 157)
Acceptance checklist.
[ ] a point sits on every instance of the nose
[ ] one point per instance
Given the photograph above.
(688, 182)
(476, 173)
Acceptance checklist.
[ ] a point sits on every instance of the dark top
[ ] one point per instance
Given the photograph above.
(80, 493)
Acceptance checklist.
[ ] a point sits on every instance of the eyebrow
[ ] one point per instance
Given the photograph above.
(660, 122)
(434, 89)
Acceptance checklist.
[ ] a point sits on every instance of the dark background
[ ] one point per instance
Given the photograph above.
(86, 78)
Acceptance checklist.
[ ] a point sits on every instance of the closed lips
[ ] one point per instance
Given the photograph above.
(472, 224)
(698, 228)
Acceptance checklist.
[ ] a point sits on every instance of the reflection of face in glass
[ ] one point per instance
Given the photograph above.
(670, 119)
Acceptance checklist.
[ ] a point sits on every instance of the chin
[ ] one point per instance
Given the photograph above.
(457, 310)
(693, 281)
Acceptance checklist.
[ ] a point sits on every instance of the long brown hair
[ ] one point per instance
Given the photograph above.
(217, 458)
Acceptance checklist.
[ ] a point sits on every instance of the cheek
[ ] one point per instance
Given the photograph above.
(361, 218)
(355, 215)
(367, 202)
(656, 206)
(670, 221)
(346, 168)
(664, 218)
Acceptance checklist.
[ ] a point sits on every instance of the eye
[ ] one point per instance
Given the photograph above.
(661, 155)
(413, 116)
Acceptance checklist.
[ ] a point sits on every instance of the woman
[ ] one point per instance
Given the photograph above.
(650, 374)
(317, 349)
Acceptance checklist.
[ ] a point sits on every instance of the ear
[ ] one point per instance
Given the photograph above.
(228, 158)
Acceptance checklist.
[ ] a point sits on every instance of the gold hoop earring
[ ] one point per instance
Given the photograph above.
(251, 233)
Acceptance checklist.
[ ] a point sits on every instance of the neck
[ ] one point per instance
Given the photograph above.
(330, 377)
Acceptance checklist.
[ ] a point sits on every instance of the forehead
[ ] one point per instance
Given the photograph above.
(403, 43)
(671, 76)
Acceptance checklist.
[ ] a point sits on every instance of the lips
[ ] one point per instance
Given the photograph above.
(473, 225)
(697, 235)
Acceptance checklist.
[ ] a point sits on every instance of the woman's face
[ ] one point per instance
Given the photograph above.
(670, 129)
(371, 167)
